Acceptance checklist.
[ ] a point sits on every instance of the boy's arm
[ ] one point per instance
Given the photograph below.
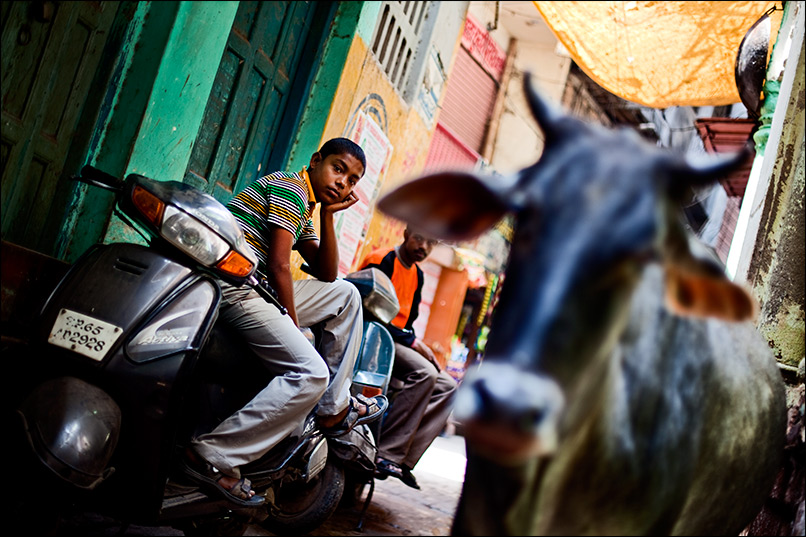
(278, 268)
(323, 256)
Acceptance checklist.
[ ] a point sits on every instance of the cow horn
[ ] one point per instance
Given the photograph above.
(702, 171)
(547, 116)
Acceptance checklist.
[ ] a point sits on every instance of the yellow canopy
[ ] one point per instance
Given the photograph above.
(659, 54)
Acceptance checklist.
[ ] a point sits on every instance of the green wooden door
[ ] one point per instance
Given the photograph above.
(249, 96)
(50, 54)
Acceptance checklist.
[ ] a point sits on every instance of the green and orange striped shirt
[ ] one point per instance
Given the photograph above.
(279, 199)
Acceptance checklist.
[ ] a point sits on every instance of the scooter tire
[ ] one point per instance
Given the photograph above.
(300, 508)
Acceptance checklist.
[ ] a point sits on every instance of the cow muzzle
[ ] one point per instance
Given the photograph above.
(509, 414)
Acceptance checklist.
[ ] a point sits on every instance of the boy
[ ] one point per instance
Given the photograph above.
(275, 214)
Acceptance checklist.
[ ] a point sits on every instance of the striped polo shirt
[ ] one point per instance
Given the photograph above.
(278, 199)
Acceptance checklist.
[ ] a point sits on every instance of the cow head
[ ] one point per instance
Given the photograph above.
(589, 215)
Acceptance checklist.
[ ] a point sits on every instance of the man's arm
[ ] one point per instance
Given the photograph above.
(427, 353)
(418, 345)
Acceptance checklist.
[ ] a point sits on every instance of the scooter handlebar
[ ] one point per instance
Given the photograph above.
(266, 292)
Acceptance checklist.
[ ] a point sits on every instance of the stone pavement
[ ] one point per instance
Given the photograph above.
(397, 509)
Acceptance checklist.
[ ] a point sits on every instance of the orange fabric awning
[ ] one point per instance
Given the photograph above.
(659, 54)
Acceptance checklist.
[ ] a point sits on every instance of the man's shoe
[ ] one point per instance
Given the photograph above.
(374, 408)
(408, 478)
(209, 477)
(385, 468)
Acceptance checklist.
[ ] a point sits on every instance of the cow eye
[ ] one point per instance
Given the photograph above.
(616, 273)
(527, 226)
(647, 255)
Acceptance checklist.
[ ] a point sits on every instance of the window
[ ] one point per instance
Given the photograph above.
(402, 33)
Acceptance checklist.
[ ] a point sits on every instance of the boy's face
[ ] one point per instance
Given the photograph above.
(334, 177)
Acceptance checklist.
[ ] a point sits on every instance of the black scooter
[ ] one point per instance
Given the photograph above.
(129, 362)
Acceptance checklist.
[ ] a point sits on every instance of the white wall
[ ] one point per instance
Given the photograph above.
(519, 140)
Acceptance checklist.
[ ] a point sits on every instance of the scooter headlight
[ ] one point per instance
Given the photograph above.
(195, 223)
(192, 237)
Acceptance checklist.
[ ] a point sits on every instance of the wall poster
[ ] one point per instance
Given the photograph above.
(352, 224)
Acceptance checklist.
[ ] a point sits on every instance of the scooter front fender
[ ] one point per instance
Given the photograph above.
(73, 427)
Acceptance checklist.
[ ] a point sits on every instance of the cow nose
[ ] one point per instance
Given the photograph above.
(510, 410)
(500, 400)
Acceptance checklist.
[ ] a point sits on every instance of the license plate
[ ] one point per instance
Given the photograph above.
(83, 334)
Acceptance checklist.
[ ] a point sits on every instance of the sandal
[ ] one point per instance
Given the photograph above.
(209, 476)
(385, 468)
(375, 408)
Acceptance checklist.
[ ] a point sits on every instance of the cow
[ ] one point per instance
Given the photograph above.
(624, 388)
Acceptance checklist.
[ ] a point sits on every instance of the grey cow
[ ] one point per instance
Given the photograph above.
(624, 388)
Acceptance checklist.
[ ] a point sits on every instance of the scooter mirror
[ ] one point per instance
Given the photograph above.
(95, 177)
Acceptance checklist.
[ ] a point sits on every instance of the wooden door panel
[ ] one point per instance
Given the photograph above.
(249, 95)
(237, 133)
(215, 116)
(49, 60)
(285, 56)
(262, 138)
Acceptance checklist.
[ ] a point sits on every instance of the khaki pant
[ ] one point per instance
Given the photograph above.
(303, 378)
(419, 412)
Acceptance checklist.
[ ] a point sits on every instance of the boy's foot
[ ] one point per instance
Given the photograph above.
(238, 491)
(360, 410)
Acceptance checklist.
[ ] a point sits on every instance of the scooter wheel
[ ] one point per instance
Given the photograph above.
(300, 508)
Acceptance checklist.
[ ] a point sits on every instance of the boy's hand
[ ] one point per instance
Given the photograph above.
(347, 202)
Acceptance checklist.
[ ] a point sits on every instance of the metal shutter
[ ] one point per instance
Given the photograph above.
(469, 100)
(447, 151)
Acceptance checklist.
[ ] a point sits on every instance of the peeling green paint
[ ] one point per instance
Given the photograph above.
(156, 102)
(786, 335)
(134, 75)
(762, 135)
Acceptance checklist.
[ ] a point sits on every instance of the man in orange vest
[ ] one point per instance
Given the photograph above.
(422, 408)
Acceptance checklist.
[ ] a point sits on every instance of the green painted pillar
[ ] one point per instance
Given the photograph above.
(155, 104)
(762, 135)
(178, 99)
(179, 96)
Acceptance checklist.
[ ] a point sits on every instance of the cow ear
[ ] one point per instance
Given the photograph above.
(450, 206)
(705, 295)
(696, 284)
